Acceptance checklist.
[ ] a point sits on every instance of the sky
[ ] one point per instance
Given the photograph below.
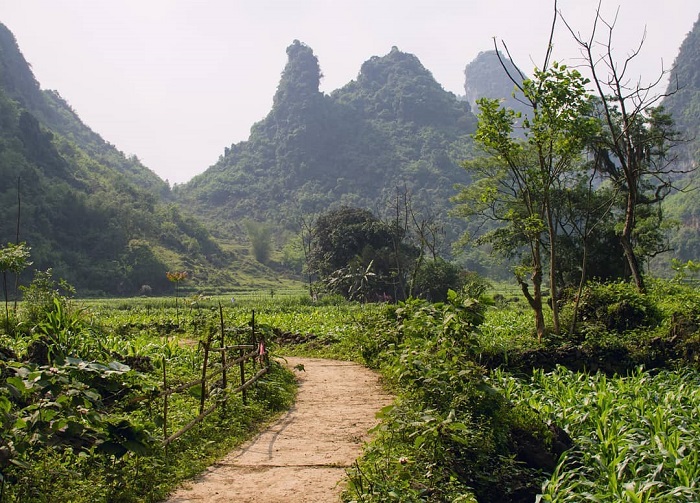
(174, 82)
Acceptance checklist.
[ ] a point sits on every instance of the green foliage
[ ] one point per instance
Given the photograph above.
(617, 307)
(685, 271)
(435, 278)
(260, 237)
(451, 436)
(43, 296)
(360, 257)
(635, 436)
(13, 258)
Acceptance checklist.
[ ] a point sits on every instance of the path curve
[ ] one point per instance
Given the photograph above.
(303, 456)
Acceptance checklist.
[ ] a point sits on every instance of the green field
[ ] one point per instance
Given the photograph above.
(81, 419)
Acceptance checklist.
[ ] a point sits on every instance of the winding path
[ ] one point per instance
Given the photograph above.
(303, 456)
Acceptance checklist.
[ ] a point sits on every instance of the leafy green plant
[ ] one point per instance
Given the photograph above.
(636, 437)
(40, 297)
(451, 435)
(13, 258)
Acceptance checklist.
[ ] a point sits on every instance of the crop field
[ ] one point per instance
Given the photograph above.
(636, 436)
(85, 416)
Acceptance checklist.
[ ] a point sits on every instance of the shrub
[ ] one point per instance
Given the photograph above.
(43, 296)
(617, 307)
(435, 277)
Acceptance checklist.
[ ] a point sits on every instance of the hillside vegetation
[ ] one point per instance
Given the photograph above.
(394, 127)
(101, 220)
(109, 225)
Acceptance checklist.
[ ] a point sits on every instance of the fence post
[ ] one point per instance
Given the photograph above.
(165, 408)
(223, 347)
(253, 341)
(204, 372)
(242, 366)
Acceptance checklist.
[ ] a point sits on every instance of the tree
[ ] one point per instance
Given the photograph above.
(636, 135)
(306, 235)
(425, 234)
(515, 185)
(260, 236)
(352, 248)
(13, 258)
(435, 278)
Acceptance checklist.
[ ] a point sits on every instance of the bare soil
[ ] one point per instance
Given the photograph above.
(303, 456)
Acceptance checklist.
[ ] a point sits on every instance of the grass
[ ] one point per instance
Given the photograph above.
(146, 331)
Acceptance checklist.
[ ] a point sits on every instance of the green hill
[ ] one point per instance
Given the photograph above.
(99, 219)
(393, 127)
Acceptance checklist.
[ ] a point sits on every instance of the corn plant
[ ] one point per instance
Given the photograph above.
(637, 437)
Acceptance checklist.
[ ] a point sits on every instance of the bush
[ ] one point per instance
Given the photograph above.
(43, 296)
(434, 278)
(617, 307)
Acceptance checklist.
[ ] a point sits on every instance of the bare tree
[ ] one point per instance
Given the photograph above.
(306, 234)
(636, 134)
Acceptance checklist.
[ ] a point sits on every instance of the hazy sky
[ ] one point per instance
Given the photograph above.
(176, 81)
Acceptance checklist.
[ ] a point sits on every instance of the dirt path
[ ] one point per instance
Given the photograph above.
(302, 457)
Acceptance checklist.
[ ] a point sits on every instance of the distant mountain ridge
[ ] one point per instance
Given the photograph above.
(392, 128)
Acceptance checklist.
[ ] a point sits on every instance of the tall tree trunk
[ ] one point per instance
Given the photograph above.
(626, 241)
(552, 268)
(535, 298)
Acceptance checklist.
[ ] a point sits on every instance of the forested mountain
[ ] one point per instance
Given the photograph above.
(684, 86)
(683, 103)
(392, 128)
(94, 216)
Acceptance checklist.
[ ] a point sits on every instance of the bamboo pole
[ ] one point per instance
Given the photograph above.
(251, 381)
(189, 425)
(165, 404)
(242, 366)
(204, 372)
(223, 346)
